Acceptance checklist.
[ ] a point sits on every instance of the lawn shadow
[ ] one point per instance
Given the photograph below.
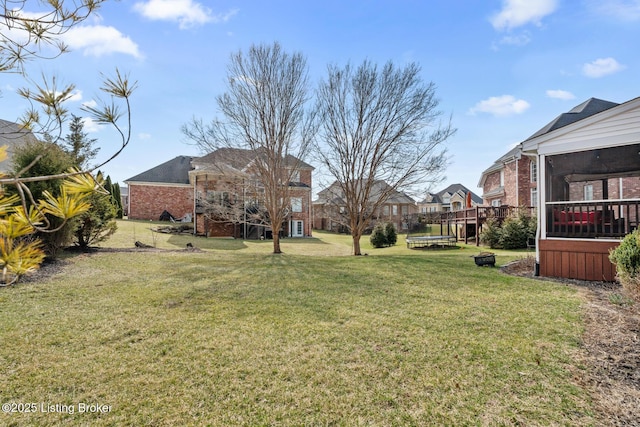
(215, 243)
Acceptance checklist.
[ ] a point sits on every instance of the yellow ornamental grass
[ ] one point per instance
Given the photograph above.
(18, 256)
(66, 205)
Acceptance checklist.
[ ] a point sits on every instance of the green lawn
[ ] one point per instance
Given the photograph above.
(234, 335)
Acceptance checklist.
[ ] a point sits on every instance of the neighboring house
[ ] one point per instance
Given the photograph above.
(165, 187)
(229, 195)
(11, 135)
(452, 198)
(220, 193)
(588, 169)
(511, 181)
(329, 209)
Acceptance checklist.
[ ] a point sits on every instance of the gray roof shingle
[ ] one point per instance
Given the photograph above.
(175, 171)
(588, 108)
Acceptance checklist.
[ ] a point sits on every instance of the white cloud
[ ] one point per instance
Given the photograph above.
(500, 106)
(144, 136)
(90, 104)
(90, 126)
(516, 13)
(623, 10)
(602, 67)
(98, 40)
(560, 94)
(187, 13)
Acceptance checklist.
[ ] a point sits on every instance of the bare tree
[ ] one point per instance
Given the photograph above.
(264, 111)
(378, 125)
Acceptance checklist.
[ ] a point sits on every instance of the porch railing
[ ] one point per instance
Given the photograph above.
(592, 219)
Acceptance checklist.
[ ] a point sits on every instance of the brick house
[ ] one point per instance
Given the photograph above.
(220, 193)
(329, 209)
(452, 198)
(511, 181)
(165, 187)
(229, 195)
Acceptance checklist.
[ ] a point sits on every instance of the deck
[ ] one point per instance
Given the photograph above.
(471, 220)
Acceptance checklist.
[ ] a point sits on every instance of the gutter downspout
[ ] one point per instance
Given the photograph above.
(195, 181)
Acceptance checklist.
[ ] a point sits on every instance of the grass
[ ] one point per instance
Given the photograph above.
(234, 335)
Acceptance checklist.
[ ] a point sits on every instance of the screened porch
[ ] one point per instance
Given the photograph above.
(593, 194)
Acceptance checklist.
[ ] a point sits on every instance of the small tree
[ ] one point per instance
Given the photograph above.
(117, 199)
(35, 159)
(491, 233)
(98, 223)
(391, 234)
(514, 233)
(378, 236)
(626, 257)
(78, 144)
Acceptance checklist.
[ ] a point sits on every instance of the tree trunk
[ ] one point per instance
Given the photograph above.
(356, 244)
(276, 243)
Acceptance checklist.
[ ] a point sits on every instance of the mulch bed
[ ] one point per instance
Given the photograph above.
(610, 347)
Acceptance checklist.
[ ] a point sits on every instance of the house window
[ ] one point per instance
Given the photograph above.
(394, 209)
(502, 178)
(496, 203)
(405, 210)
(588, 192)
(296, 204)
(533, 166)
(534, 197)
(295, 176)
(385, 210)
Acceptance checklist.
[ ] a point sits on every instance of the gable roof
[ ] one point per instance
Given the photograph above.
(333, 194)
(175, 171)
(239, 158)
(588, 108)
(452, 189)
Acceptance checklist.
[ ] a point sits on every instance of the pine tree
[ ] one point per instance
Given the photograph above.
(78, 145)
(117, 199)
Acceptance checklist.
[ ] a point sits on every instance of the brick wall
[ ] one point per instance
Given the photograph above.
(630, 189)
(517, 184)
(148, 201)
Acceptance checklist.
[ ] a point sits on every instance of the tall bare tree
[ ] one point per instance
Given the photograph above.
(264, 111)
(378, 124)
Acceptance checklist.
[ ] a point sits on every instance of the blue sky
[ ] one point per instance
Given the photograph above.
(502, 68)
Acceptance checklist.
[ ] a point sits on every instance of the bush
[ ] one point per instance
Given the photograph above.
(626, 257)
(513, 234)
(383, 234)
(491, 233)
(378, 237)
(391, 234)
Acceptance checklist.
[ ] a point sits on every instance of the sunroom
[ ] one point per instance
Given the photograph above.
(589, 191)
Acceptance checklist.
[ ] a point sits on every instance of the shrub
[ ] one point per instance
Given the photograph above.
(491, 233)
(378, 237)
(626, 257)
(513, 234)
(391, 234)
